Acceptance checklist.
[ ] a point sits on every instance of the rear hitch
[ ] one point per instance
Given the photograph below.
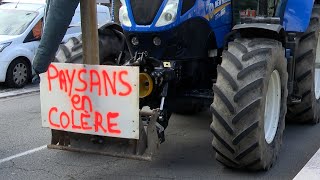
(141, 149)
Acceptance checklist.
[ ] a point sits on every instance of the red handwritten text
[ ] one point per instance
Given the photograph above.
(103, 82)
(102, 123)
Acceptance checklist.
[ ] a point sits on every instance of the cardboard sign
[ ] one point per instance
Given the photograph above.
(91, 99)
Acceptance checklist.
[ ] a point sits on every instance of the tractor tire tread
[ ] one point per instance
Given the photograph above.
(308, 111)
(238, 102)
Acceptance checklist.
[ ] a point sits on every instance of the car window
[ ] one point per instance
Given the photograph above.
(103, 17)
(73, 30)
(35, 33)
(37, 30)
(15, 22)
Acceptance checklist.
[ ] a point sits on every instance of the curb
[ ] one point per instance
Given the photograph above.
(19, 92)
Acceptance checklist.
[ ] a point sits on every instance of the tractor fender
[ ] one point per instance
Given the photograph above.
(268, 27)
(112, 33)
(262, 30)
(297, 15)
(111, 25)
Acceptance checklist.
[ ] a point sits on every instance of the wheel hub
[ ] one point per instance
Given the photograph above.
(20, 73)
(272, 107)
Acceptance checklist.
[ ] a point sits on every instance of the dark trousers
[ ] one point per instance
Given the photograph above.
(59, 17)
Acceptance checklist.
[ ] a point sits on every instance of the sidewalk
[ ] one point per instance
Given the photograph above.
(311, 170)
(4, 93)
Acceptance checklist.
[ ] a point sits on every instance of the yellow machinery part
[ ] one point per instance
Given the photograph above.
(145, 85)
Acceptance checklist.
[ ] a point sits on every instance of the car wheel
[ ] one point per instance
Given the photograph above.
(18, 74)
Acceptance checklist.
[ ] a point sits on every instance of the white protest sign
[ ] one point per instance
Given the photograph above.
(91, 99)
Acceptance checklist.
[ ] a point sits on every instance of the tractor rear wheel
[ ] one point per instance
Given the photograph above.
(112, 46)
(308, 74)
(250, 104)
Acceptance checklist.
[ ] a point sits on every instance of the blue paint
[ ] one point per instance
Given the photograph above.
(220, 23)
(297, 15)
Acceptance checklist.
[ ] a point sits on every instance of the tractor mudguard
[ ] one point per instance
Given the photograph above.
(297, 15)
(112, 33)
(272, 31)
(111, 25)
(269, 27)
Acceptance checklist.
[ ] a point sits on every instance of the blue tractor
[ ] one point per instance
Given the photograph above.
(269, 68)
(258, 61)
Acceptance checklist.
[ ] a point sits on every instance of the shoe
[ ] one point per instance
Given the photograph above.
(35, 77)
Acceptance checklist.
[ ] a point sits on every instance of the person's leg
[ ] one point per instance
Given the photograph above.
(57, 22)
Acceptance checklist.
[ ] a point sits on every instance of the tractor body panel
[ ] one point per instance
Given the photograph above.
(195, 22)
(195, 34)
(294, 14)
(297, 15)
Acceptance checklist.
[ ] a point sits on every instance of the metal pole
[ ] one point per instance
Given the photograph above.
(112, 10)
(89, 28)
(116, 7)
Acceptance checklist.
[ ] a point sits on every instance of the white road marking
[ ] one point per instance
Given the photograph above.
(311, 170)
(23, 154)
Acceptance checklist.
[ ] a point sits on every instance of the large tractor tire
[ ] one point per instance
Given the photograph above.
(308, 74)
(112, 47)
(70, 52)
(250, 104)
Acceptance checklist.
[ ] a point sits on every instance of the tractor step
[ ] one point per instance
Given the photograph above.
(141, 149)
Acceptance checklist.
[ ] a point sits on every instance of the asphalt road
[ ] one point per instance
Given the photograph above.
(186, 154)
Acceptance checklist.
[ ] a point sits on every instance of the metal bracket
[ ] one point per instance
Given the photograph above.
(141, 149)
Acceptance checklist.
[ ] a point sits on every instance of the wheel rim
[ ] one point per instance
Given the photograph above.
(20, 74)
(317, 72)
(272, 107)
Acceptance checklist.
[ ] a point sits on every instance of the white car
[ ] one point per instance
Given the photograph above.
(20, 33)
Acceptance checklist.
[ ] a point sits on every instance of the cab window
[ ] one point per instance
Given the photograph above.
(36, 32)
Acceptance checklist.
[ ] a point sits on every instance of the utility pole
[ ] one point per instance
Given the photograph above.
(89, 27)
(117, 5)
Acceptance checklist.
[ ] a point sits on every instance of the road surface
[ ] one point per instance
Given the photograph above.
(186, 154)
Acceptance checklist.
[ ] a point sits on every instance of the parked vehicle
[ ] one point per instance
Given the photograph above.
(21, 25)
